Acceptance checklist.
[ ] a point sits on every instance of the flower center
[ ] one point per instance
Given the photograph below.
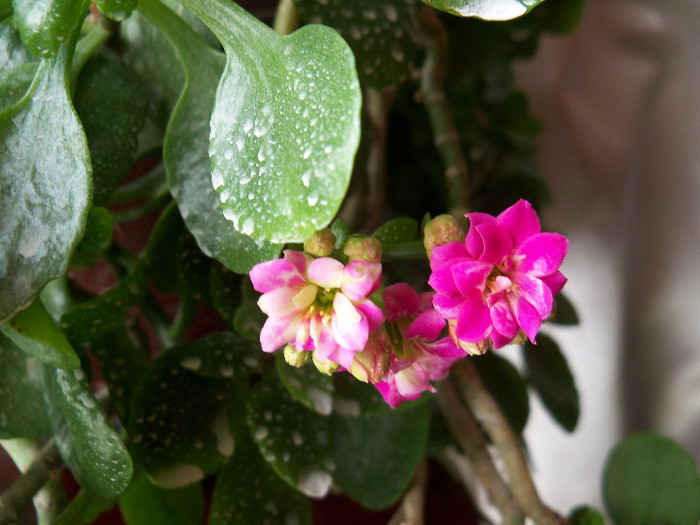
(323, 303)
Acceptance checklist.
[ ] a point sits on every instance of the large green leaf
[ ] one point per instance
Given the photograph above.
(486, 9)
(21, 407)
(648, 480)
(12, 51)
(309, 386)
(45, 24)
(116, 9)
(186, 145)
(88, 444)
(285, 125)
(384, 36)
(84, 509)
(97, 238)
(45, 186)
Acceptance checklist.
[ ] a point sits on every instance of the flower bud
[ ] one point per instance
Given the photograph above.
(296, 358)
(326, 367)
(321, 243)
(371, 364)
(360, 248)
(441, 230)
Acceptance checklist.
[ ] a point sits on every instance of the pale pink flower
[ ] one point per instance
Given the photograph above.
(317, 304)
(500, 281)
(419, 357)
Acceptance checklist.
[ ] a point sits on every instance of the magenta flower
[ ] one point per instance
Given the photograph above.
(500, 281)
(317, 305)
(413, 328)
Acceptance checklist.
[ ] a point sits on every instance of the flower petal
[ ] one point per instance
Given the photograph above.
(279, 273)
(555, 281)
(350, 329)
(528, 318)
(520, 220)
(474, 241)
(441, 255)
(373, 314)
(442, 280)
(470, 276)
(278, 331)
(504, 321)
(400, 300)
(360, 279)
(543, 253)
(305, 297)
(448, 306)
(497, 243)
(278, 302)
(537, 293)
(473, 320)
(325, 272)
(426, 326)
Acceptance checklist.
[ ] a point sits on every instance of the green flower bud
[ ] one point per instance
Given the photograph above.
(370, 365)
(320, 244)
(295, 358)
(441, 230)
(361, 248)
(326, 367)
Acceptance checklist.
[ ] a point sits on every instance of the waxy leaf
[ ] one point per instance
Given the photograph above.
(46, 24)
(161, 251)
(285, 125)
(116, 9)
(486, 9)
(45, 186)
(225, 292)
(369, 469)
(35, 332)
(312, 388)
(186, 149)
(549, 373)
(87, 443)
(649, 479)
(97, 238)
(12, 50)
(21, 406)
(384, 36)
(248, 491)
(397, 230)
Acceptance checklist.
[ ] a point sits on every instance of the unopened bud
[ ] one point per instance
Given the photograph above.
(441, 230)
(296, 358)
(361, 248)
(326, 367)
(320, 244)
(370, 365)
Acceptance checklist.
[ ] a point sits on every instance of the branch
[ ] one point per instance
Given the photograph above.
(410, 512)
(435, 101)
(471, 440)
(287, 18)
(507, 444)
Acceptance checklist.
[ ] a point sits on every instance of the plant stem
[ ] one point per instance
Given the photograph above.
(487, 412)
(437, 106)
(18, 497)
(471, 440)
(410, 512)
(287, 18)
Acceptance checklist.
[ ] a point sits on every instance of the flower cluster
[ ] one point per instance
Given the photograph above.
(494, 287)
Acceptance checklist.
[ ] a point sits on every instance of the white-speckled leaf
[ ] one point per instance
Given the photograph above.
(186, 149)
(285, 126)
(86, 441)
(46, 24)
(486, 9)
(45, 185)
(307, 385)
(384, 36)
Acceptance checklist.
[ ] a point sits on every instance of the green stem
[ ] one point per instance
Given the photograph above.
(143, 187)
(404, 251)
(487, 412)
(287, 18)
(183, 318)
(437, 106)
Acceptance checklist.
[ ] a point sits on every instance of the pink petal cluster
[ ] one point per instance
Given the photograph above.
(419, 357)
(500, 281)
(317, 304)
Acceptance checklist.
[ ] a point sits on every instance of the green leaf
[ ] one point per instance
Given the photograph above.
(564, 311)
(397, 230)
(186, 144)
(549, 374)
(384, 37)
(249, 319)
(35, 332)
(44, 185)
(486, 9)
(161, 251)
(97, 238)
(45, 24)
(193, 268)
(504, 383)
(648, 479)
(91, 320)
(189, 406)
(87, 443)
(84, 509)
(586, 516)
(112, 102)
(248, 491)
(144, 503)
(5, 8)
(21, 406)
(309, 386)
(285, 125)
(14, 83)
(12, 51)
(225, 292)
(295, 441)
(376, 456)
(116, 9)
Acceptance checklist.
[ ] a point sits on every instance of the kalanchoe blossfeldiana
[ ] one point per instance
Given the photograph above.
(500, 282)
(317, 304)
(419, 356)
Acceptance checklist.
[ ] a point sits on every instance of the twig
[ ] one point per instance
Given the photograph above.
(487, 412)
(435, 101)
(18, 497)
(287, 17)
(466, 431)
(410, 512)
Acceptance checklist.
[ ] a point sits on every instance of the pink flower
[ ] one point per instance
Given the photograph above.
(317, 305)
(500, 281)
(413, 328)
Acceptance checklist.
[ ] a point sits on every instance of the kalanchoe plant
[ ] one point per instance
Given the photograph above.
(217, 255)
